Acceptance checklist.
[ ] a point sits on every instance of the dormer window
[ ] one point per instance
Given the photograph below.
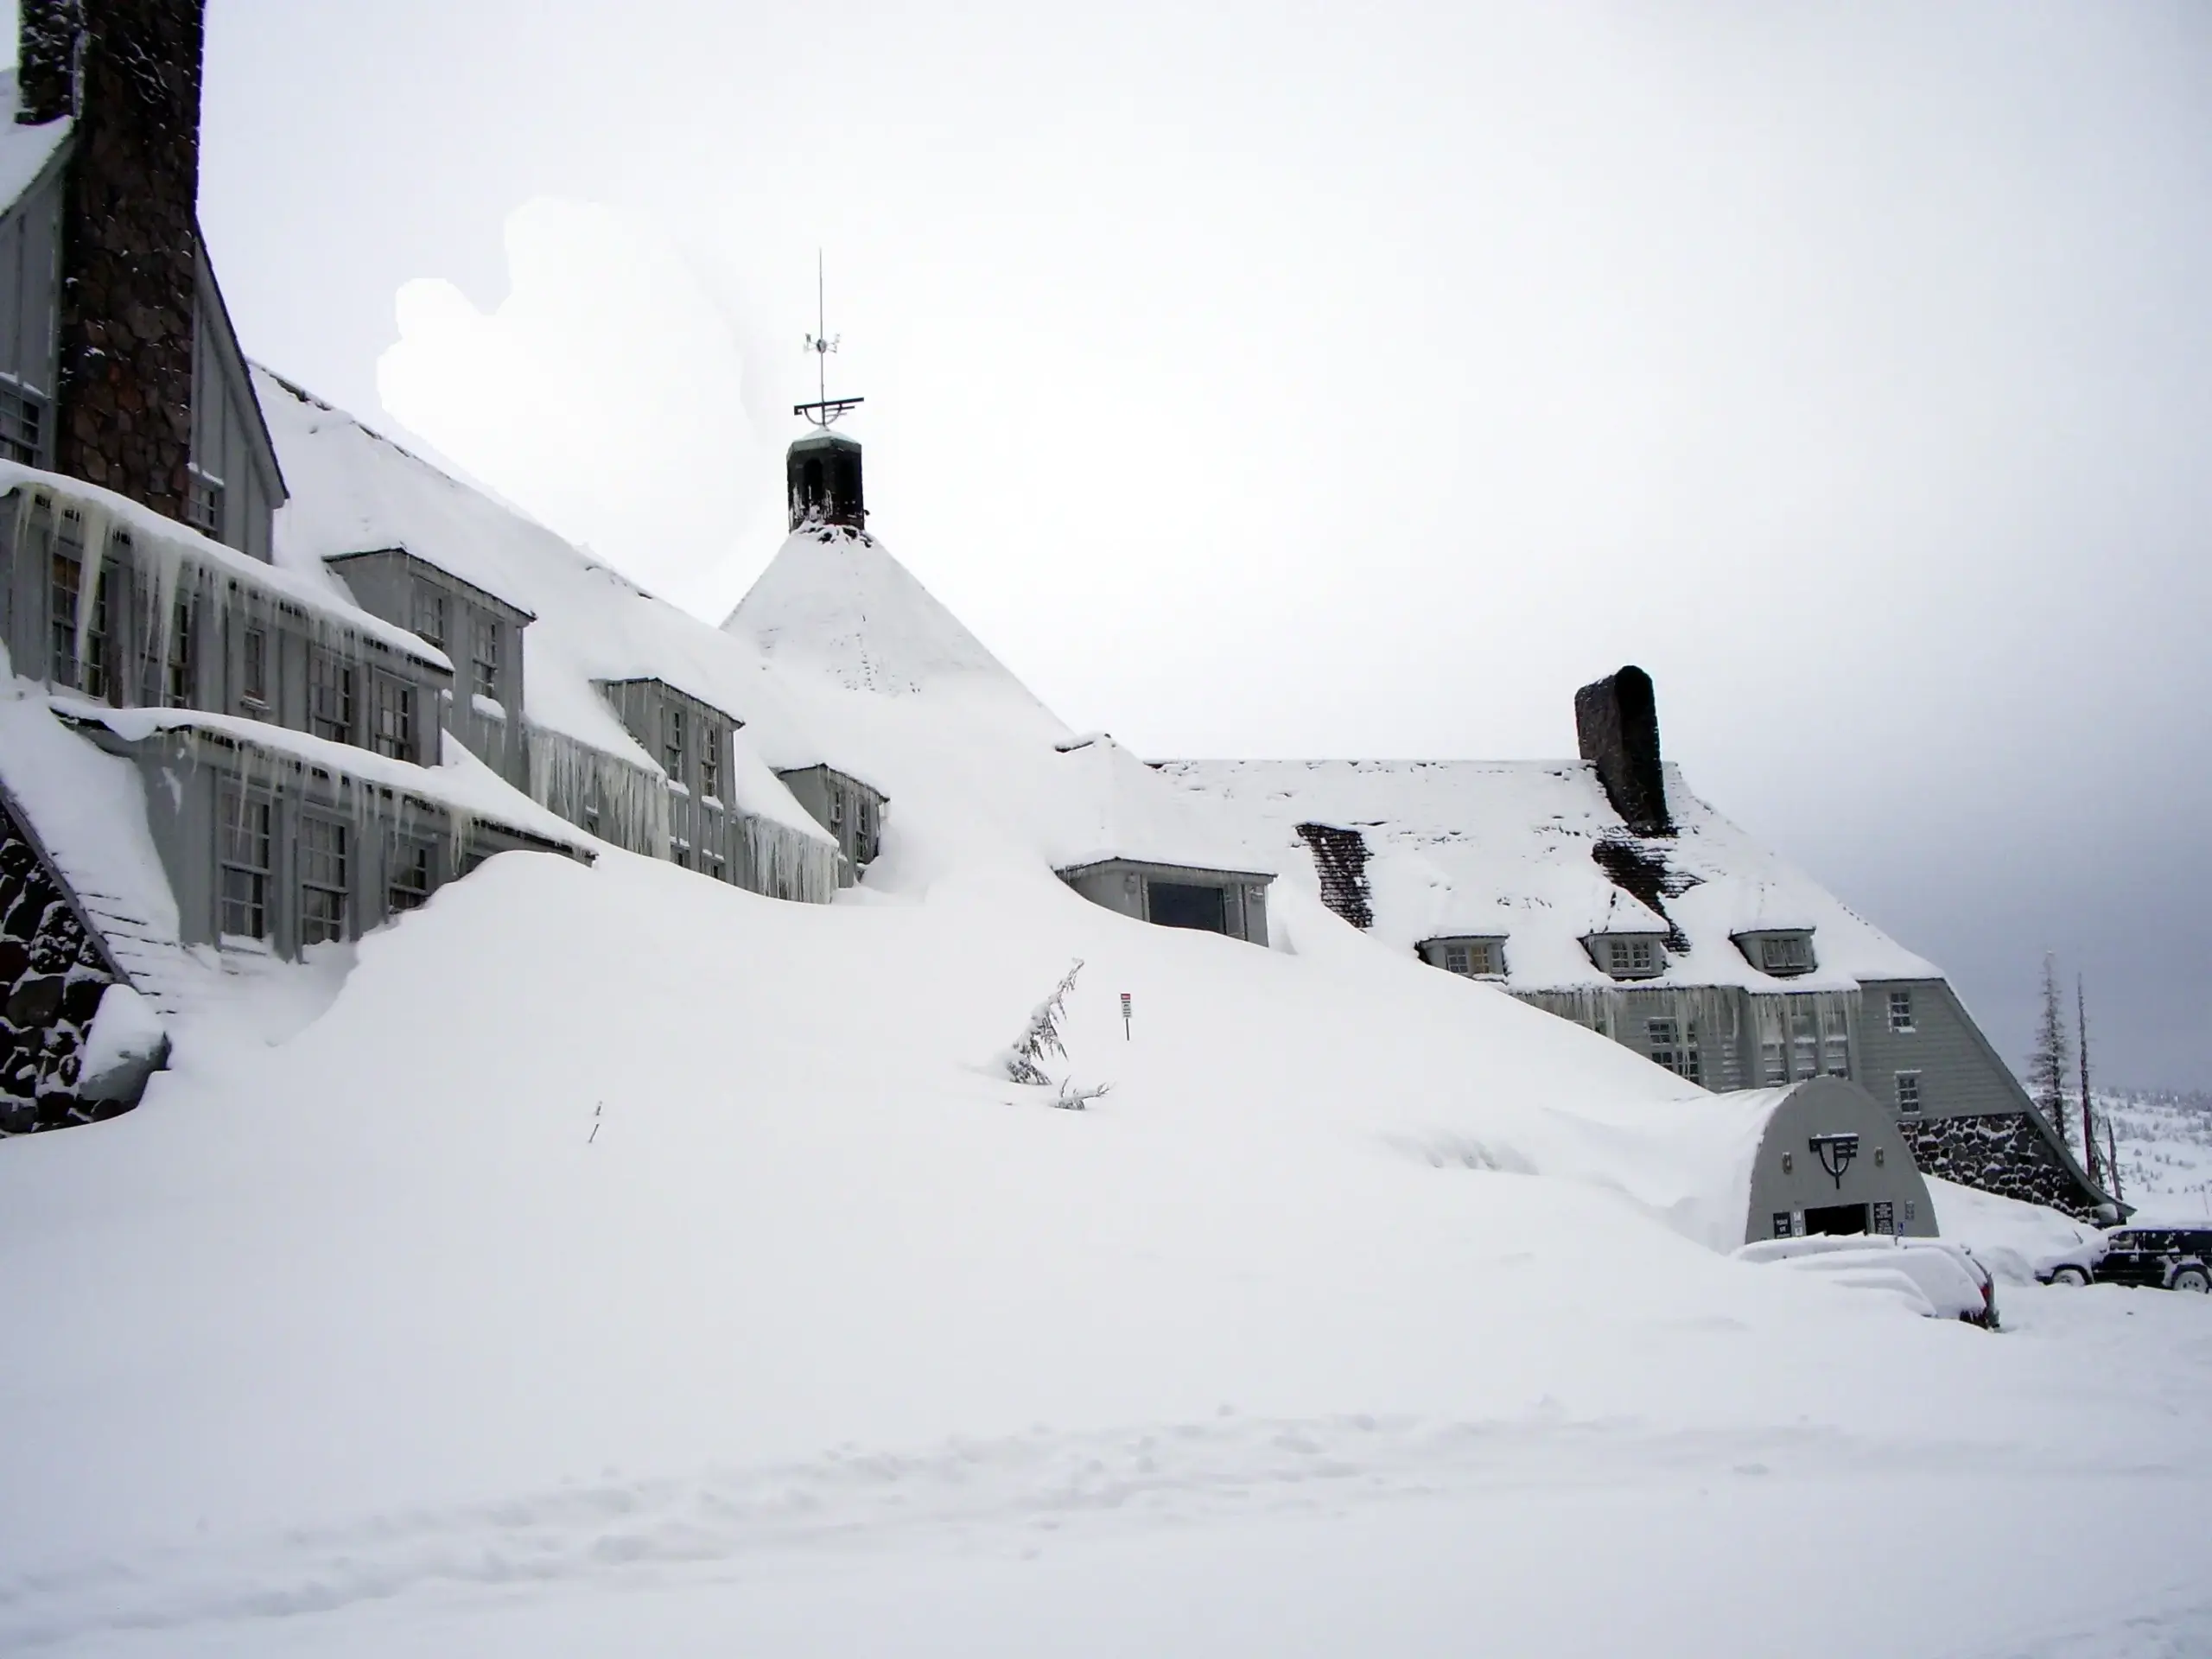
(1632, 955)
(430, 615)
(1478, 958)
(1783, 955)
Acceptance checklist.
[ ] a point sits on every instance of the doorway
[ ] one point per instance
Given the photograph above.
(1835, 1219)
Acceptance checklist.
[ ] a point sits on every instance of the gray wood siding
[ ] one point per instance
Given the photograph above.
(386, 581)
(1123, 884)
(230, 442)
(30, 276)
(841, 803)
(1961, 1075)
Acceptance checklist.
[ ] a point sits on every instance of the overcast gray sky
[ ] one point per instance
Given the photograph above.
(1297, 379)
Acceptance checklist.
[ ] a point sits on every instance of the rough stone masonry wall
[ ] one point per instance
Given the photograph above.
(130, 242)
(53, 974)
(2002, 1153)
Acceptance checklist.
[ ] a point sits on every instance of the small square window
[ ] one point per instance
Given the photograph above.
(1908, 1091)
(1632, 958)
(1901, 1023)
(1455, 959)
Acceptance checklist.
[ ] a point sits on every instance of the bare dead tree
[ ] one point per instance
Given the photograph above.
(2092, 1154)
(1025, 1060)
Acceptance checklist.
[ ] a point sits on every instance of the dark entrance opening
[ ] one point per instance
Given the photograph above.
(1836, 1218)
(1184, 904)
(811, 482)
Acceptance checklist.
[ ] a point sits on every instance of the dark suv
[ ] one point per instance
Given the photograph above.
(2166, 1258)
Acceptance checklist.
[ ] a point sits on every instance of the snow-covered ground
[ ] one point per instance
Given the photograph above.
(604, 1259)
(2165, 1149)
(622, 1263)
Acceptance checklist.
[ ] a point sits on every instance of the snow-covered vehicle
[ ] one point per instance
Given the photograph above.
(2164, 1258)
(1954, 1284)
(2077, 1266)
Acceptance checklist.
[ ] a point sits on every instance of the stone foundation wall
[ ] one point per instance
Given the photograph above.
(2004, 1152)
(53, 974)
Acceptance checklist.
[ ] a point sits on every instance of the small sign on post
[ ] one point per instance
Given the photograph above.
(1125, 1017)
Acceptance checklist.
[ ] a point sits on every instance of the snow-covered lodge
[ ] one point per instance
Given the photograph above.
(272, 680)
(1602, 890)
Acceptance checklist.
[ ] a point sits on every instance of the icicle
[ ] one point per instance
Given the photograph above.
(93, 525)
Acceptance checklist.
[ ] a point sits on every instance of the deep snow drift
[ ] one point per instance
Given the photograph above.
(607, 1260)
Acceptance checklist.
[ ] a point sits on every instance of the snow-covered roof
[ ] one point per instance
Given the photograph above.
(835, 600)
(24, 151)
(354, 491)
(162, 537)
(1473, 848)
(462, 784)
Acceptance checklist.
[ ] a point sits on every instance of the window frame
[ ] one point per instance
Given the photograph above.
(1912, 1100)
(254, 661)
(432, 604)
(91, 675)
(259, 886)
(23, 422)
(204, 503)
(671, 742)
(710, 769)
(484, 658)
(391, 695)
(327, 669)
(406, 856)
(1904, 1020)
(313, 927)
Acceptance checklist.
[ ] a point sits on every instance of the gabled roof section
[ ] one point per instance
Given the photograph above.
(27, 153)
(514, 613)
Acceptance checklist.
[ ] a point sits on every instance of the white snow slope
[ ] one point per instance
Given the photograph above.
(619, 1263)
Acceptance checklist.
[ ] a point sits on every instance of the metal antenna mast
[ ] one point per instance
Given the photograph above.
(823, 412)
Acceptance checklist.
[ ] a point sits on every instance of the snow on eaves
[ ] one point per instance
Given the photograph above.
(355, 491)
(462, 784)
(1507, 848)
(316, 596)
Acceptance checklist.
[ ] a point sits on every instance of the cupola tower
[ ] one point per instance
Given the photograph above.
(822, 471)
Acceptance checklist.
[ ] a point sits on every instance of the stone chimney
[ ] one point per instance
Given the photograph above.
(45, 59)
(130, 238)
(1616, 722)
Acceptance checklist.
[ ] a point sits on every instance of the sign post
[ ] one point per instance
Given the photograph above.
(1125, 1018)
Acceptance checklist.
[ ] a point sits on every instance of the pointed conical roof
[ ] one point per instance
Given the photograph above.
(834, 599)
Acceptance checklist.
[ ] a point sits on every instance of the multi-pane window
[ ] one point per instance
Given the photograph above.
(484, 658)
(244, 854)
(1790, 954)
(867, 818)
(253, 666)
(1908, 1091)
(1901, 1022)
(323, 884)
(394, 717)
(330, 697)
(714, 865)
(430, 614)
(176, 668)
(672, 743)
(23, 423)
(203, 506)
(1632, 958)
(837, 806)
(1772, 1069)
(410, 876)
(1804, 1043)
(1455, 959)
(1673, 1044)
(1836, 1044)
(710, 761)
(78, 642)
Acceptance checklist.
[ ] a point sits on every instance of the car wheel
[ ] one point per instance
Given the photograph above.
(2194, 1279)
(2069, 1275)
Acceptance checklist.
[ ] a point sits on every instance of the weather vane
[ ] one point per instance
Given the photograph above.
(822, 343)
